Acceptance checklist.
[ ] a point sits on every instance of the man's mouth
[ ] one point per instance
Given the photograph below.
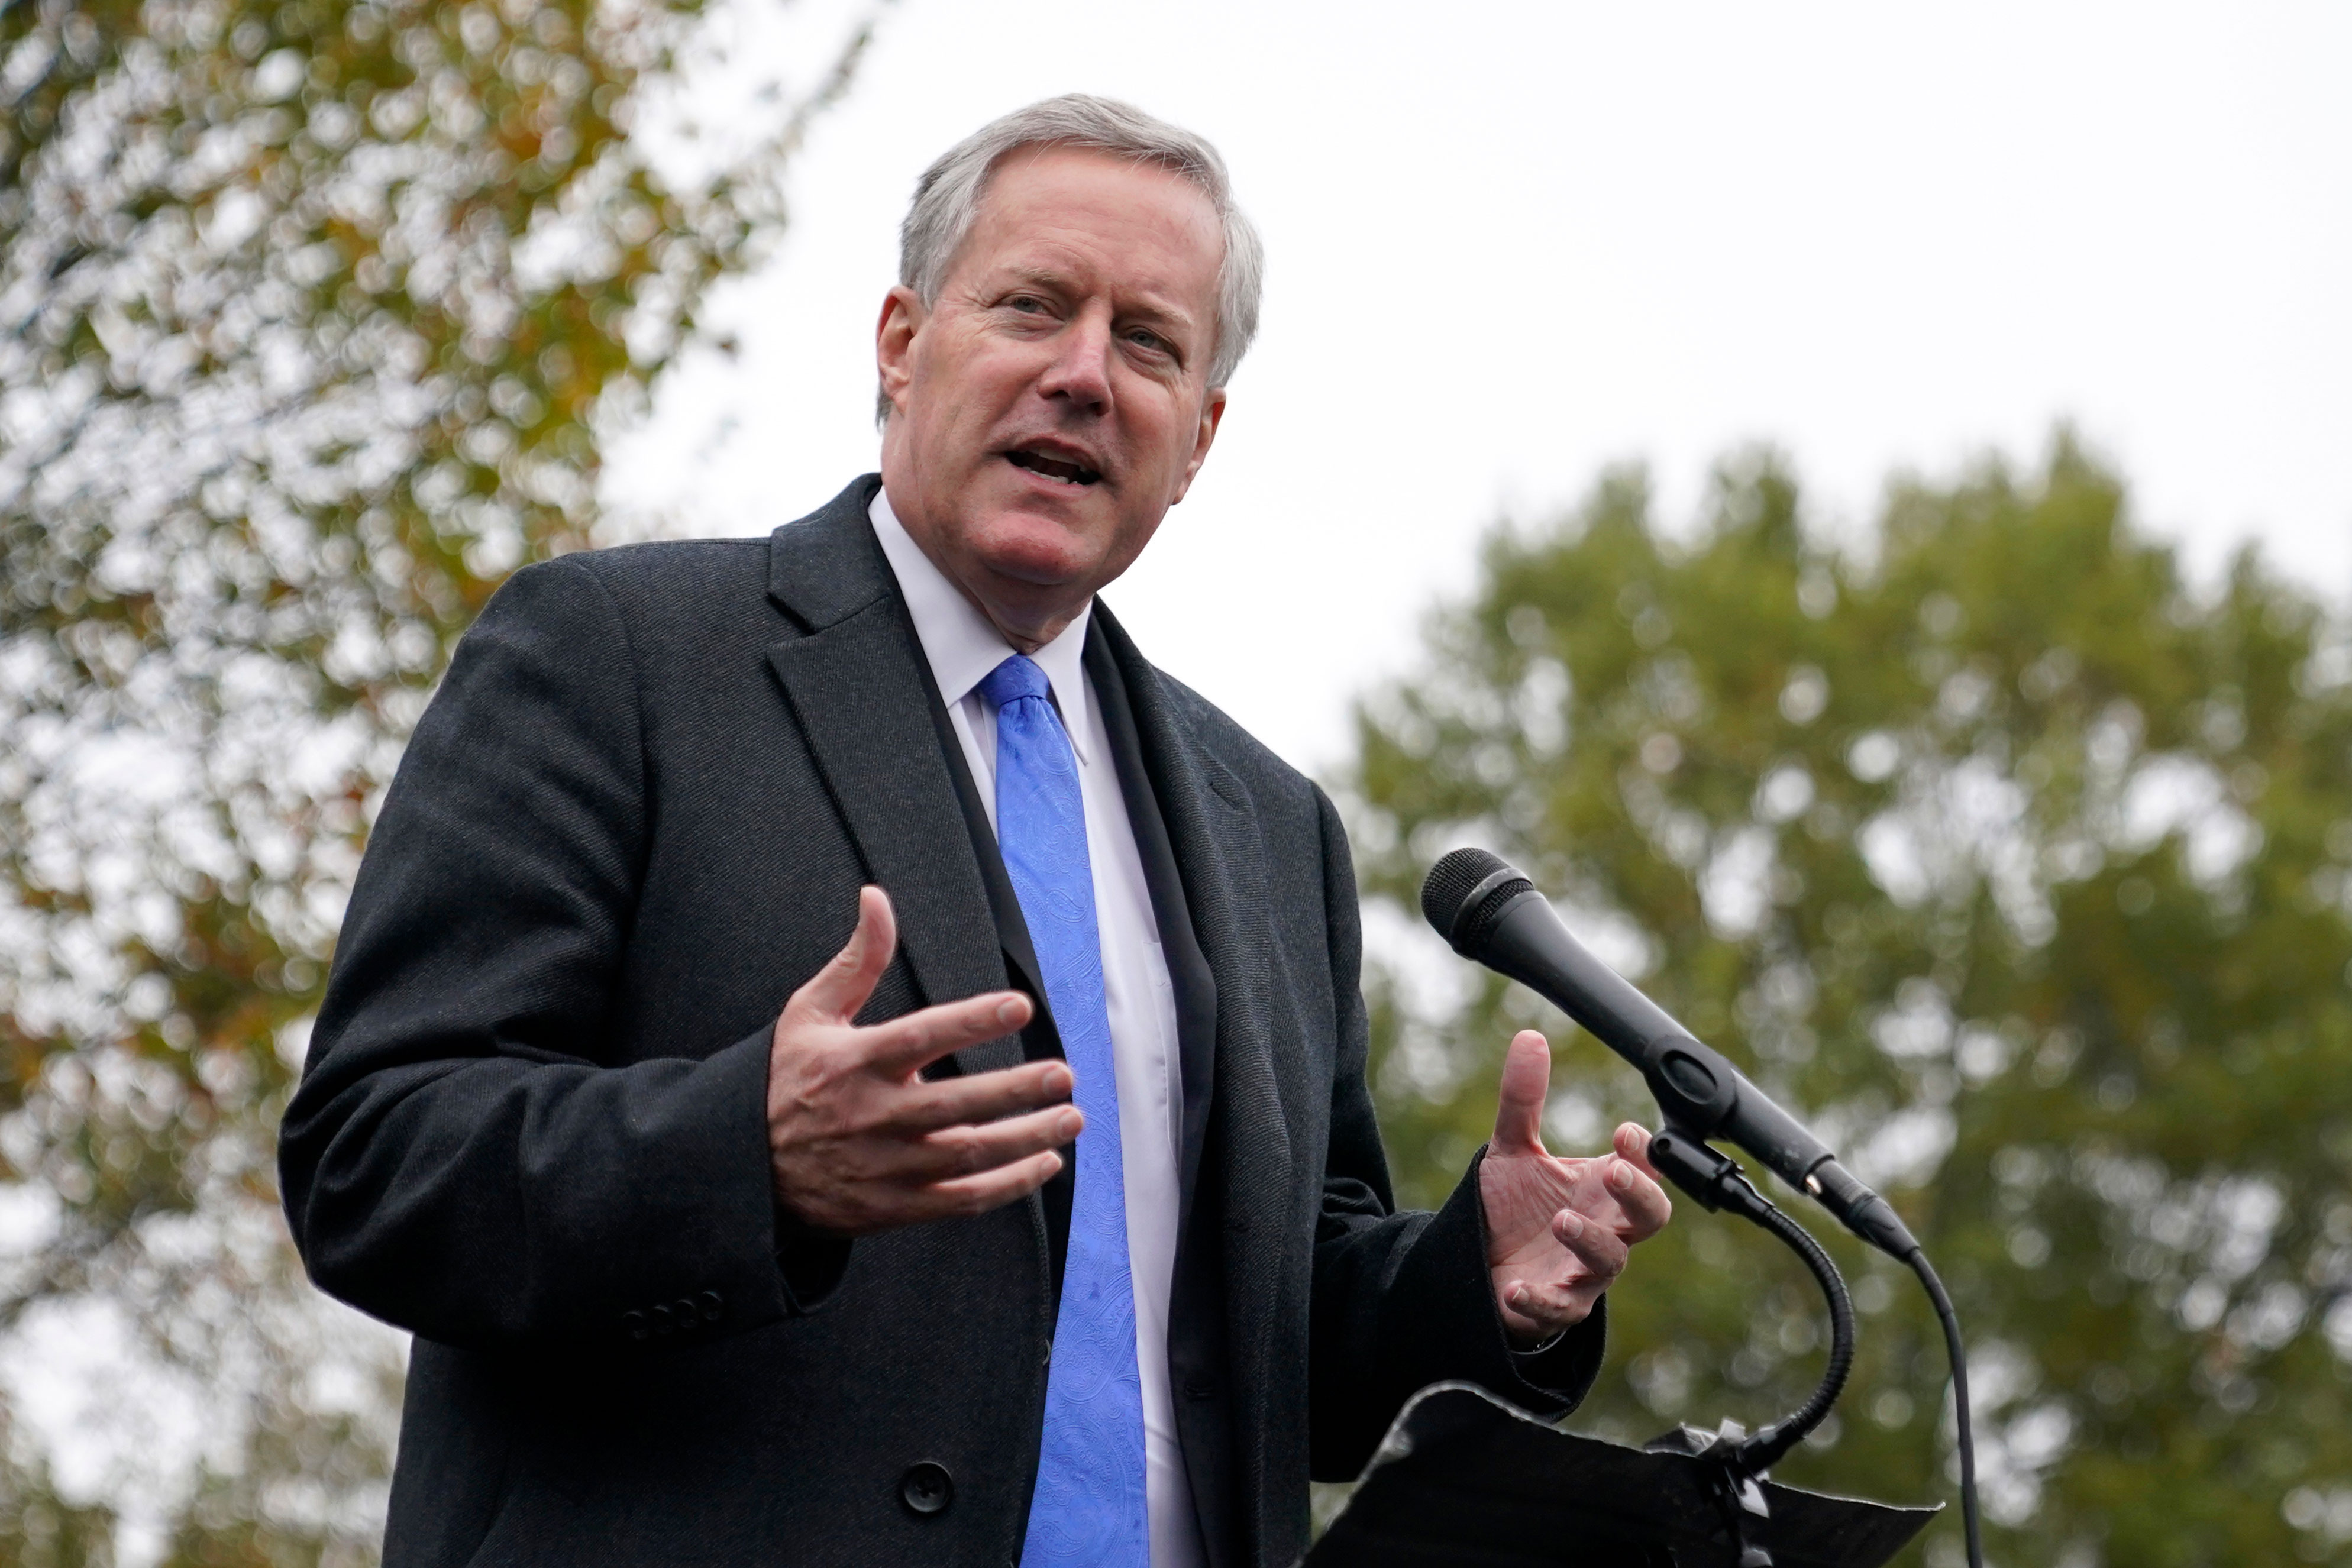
(1066, 470)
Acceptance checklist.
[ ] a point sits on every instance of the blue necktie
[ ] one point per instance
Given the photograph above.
(1090, 1509)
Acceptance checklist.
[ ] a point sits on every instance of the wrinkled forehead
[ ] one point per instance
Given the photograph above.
(1134, 225)
(1054, 180)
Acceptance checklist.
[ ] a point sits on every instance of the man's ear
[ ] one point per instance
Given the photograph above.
(894, 342)
(1213, 411)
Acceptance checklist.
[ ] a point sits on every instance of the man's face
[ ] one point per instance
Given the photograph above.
(1053, 404)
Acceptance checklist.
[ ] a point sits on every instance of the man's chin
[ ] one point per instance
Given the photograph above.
(1045, 547)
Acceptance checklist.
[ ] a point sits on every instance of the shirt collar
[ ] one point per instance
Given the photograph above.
(961, 644)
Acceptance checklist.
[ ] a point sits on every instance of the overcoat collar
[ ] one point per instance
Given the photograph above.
(827, 566)
(854, 680)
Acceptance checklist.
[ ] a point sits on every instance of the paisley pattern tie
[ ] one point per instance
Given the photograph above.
(1090, 1509)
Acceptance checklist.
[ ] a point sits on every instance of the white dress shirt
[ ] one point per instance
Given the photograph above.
(962, 647)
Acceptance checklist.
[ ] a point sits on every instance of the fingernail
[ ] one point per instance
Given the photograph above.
(1621, 1175)
(1571, 1222)
(1068, 1125)
(1008, 1012)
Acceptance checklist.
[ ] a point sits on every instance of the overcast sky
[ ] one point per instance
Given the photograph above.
(1512, 243)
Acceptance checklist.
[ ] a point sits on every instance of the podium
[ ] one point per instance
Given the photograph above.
(1464, 1479)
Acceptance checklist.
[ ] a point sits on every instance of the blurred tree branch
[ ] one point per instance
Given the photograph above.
(312, 319)
(2024, 866)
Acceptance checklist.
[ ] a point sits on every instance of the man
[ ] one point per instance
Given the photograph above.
(1047, 1220)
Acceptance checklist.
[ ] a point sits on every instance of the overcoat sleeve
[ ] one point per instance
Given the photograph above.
(470, 1155)
(1402, 1301)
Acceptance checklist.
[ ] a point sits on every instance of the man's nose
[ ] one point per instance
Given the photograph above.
(1081, 368)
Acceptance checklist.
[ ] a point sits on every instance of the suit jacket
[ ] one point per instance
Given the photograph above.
(532, 1129)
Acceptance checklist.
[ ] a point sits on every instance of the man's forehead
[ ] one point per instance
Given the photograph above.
(1082, 186)
(1059, 223)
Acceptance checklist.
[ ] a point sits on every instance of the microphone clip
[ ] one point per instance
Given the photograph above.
(1707, 1174)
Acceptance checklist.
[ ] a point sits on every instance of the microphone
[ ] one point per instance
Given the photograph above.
(1488, 912)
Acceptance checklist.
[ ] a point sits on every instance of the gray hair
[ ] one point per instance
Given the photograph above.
(947, 201)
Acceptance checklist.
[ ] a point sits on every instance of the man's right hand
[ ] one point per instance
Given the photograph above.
(858, 1143)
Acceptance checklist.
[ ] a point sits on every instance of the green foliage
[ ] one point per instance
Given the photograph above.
(2024, 870)
(315, 313)
(38, 1531)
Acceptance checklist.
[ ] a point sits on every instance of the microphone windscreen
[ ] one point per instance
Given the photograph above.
(1452, 880)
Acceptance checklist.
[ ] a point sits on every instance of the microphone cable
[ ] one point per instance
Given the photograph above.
(1958, 1354)
(1766, 1449)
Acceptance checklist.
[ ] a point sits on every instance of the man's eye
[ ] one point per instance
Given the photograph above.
(1026, 302)
(1146, 340)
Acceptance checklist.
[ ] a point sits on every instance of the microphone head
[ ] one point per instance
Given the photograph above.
(1465, 890)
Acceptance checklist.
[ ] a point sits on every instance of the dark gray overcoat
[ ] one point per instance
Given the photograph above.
(531, 1127)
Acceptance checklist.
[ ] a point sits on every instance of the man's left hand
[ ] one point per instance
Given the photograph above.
(1557, 1230)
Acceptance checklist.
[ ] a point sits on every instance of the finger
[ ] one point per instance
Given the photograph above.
(1646, 1205)
(835, 993)
(1633, 1143)
(1596, 1245)
(971, 1195)
(1519, 1111)
(963, 1151)
(906, 1045)
(985, 1096)
(1548, 1308)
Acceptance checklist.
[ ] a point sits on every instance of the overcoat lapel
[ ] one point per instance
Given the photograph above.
(856, 687)
(1188, 974)
(1212, 829)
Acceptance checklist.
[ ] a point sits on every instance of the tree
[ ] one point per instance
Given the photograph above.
(2019, 863)
(315, 315)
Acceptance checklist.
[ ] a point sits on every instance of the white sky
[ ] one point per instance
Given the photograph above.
(1510, 243)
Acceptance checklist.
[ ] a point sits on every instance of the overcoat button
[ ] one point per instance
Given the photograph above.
(712, 1304)
(663, 1323)
(637, 1326)
(927, 1488)
(685, 1313)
